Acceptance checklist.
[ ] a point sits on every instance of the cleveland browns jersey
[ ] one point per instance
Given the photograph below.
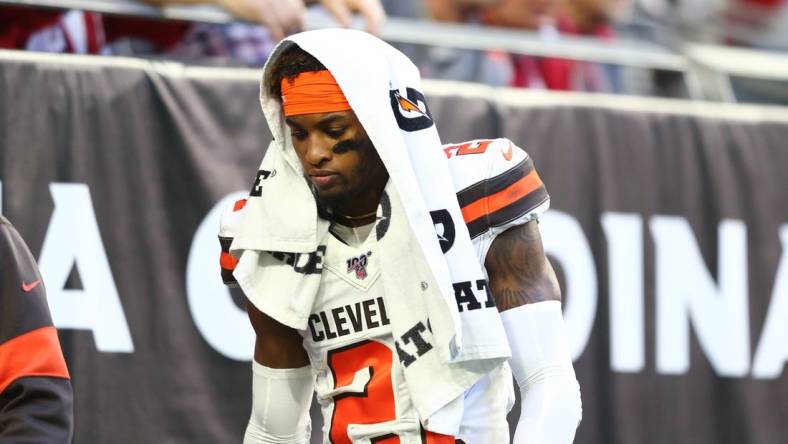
(359, 381)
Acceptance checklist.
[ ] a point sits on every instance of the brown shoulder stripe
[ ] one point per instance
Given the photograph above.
(508, 213)
(496, 201)
(495, 184)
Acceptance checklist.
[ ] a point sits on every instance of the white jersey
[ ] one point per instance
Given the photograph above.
(359, 379)
(360, 383)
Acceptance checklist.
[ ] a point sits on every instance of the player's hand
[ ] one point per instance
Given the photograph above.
(343, 11)
(281, 17)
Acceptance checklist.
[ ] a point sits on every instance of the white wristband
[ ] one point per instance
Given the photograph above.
(280, 405)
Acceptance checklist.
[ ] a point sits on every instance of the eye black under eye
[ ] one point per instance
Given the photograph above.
(345, 146)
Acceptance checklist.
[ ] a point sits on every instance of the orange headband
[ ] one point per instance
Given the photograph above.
(312, 92)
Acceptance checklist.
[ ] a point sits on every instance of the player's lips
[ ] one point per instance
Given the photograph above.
(323, 178)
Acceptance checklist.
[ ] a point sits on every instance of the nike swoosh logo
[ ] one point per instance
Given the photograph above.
(508, 153)
(29, 287)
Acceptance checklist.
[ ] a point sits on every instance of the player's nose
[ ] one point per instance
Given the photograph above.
(317, 151)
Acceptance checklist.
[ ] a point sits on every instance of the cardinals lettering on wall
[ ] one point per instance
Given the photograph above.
(564, 241)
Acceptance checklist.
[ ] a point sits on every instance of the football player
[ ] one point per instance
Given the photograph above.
(347, 353)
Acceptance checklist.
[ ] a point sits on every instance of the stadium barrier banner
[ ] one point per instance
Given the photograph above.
(668, 229)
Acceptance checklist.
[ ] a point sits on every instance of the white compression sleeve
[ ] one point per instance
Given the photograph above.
(550, 403)
(280, 405)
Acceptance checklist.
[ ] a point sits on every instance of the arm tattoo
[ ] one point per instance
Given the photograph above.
(518, 269)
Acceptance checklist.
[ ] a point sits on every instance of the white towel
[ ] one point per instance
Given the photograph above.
(419, 278)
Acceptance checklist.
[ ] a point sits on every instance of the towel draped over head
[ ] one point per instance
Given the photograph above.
(281, 238)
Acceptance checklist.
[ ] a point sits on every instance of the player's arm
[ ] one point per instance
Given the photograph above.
(282, 384)
(36, 400)
(526, 293)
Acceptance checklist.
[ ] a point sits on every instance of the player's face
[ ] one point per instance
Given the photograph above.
(339, 160)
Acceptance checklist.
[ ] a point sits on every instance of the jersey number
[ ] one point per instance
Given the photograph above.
(374, 403)
(477, 147)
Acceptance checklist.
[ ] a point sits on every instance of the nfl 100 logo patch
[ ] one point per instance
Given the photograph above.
(358, 265)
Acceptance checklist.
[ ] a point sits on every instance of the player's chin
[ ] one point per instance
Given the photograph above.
(332, 195)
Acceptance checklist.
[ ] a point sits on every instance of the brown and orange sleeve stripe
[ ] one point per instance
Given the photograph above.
(501, 199)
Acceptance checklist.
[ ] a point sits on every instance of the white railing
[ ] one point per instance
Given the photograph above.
(713, 65)
(202, 14)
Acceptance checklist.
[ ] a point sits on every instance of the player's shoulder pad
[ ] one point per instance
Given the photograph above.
(478, 160)
(496, 184)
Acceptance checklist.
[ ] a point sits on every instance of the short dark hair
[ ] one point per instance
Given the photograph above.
(290, 62)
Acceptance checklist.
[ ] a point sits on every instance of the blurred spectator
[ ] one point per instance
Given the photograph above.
(761, 24)
(251, 44)
(456, 11)
(691, 18)
(537, 15)
(49, 30)
(491, 67)
(520, 14)
(757, 23)
(241, 42)
(547, 18)
(283, 17)
(590, 18)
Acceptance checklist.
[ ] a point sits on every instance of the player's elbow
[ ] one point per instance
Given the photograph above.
(551, 408)
(257, 434)
(563, 393)
(572, 408)
(280, 405)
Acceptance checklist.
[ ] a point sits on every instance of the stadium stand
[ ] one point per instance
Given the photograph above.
(689, 70)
